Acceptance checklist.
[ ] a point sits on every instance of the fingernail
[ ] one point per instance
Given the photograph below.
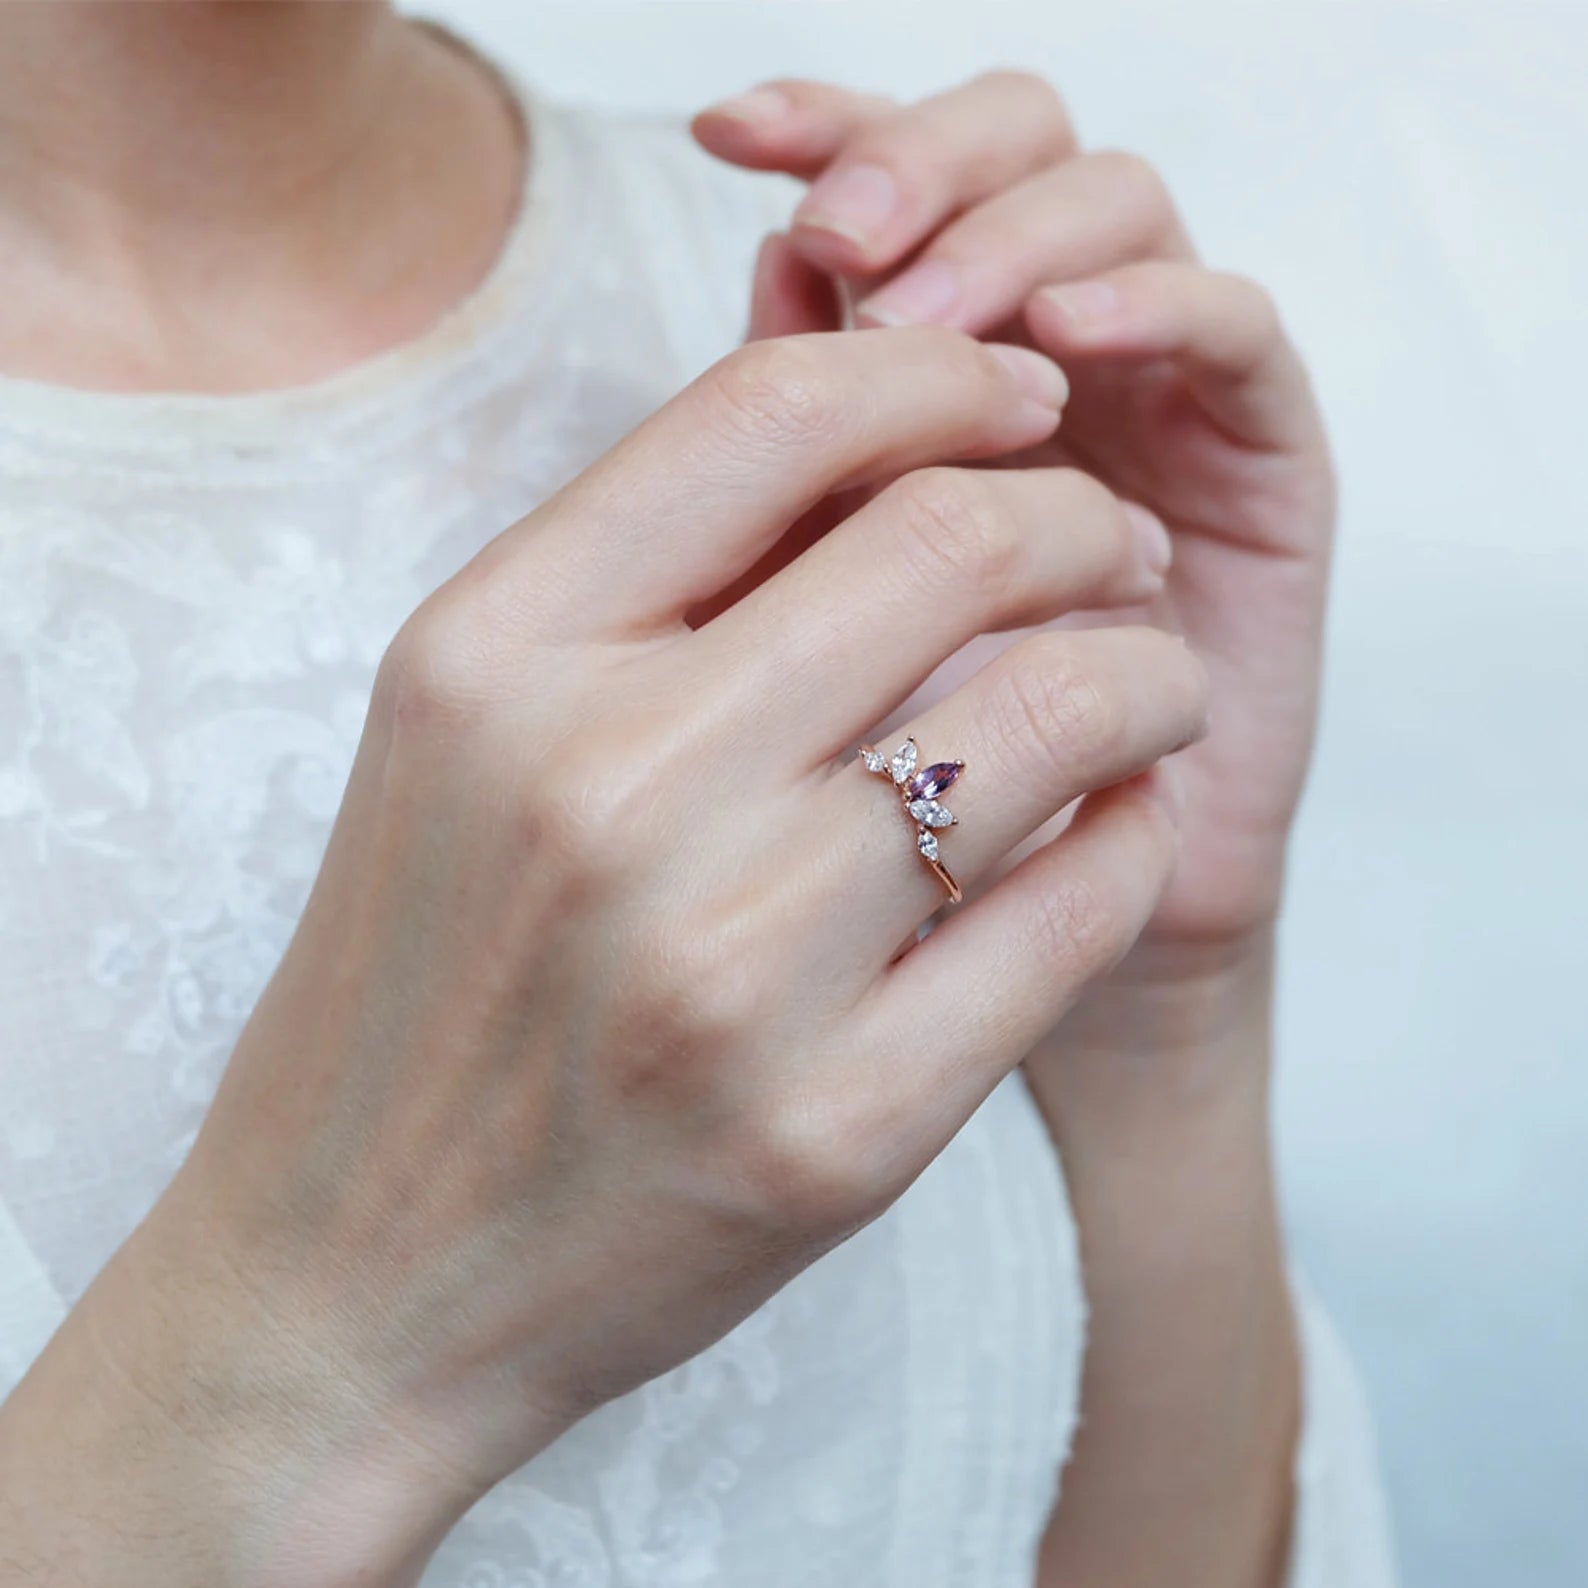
(1083, 303)
(1153, 544)
(921, 296)
(757, 107)
(1039, 378)
(855, 203)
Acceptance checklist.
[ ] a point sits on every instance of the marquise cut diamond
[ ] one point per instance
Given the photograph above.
(926, 842)
(930, 814)
(904, 759)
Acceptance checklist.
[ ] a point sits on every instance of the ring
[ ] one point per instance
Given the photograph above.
(918, 794)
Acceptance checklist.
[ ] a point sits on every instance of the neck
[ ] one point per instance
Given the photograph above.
(333, 165)
(192, 107)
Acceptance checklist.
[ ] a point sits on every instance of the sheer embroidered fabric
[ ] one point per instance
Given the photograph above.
(194, 594)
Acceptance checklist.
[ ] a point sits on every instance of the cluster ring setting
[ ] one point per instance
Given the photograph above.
(919, 793)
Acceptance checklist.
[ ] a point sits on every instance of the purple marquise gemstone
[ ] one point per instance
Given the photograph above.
(931, 782)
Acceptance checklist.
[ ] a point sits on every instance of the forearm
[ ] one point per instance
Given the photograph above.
(1190, 1399)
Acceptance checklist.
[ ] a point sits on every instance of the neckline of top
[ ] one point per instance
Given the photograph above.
(331, 412)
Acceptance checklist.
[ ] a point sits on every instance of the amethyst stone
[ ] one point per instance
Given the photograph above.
(931, 782)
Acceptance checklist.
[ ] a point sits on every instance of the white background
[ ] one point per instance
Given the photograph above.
(1410, 179)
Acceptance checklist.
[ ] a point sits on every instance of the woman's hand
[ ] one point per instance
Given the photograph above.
(592, 1033)
(978, 209)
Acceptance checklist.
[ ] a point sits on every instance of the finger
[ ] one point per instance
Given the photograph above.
(716, 476)
(1074, 219)
(1223, 330)
(789, 295)
(787, 125)
(836, 640)
(1054, 716)
(901, 176)
(955, 1014)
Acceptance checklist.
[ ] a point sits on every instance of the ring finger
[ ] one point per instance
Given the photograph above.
(902, 175)
(845, 633)
(1056, 715)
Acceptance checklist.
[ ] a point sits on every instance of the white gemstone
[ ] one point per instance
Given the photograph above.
(875, 760)
(930, 813)
(927, 843)
(904, 761)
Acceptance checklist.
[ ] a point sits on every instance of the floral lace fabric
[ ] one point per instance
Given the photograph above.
(194, 595)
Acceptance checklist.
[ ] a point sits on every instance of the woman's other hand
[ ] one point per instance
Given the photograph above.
(979, 209)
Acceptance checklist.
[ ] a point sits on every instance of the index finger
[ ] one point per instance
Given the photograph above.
(787, 125)
(694, 496)
(888, 177)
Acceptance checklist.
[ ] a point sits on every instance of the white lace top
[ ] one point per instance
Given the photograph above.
(194, 593)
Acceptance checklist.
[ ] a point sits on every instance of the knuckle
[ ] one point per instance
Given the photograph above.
(1032, 89)
(807, 1173)
(585, 818)
(946, 355)
(895, 142)
(1074, 930)
(1256, 306)
(941, 354)
(697, 1006)
(712, 994)
(957, 527)
(435, 672)
(1051, 707)
(1037, 104)
(801, 88)
(889, 142)
(777, 392)
(1019, 79)
(1082, 926)
(959, 358)
(1141, 182)
(1084, 495)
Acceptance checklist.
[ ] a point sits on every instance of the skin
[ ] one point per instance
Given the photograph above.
(318, 197)
(271, 1382)
(979, 209)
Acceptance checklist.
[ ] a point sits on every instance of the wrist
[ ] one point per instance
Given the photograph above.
(1156, 1093)
(1185, 1020)
(174, 1408)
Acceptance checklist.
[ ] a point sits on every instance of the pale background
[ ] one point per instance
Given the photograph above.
(1409, 178)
